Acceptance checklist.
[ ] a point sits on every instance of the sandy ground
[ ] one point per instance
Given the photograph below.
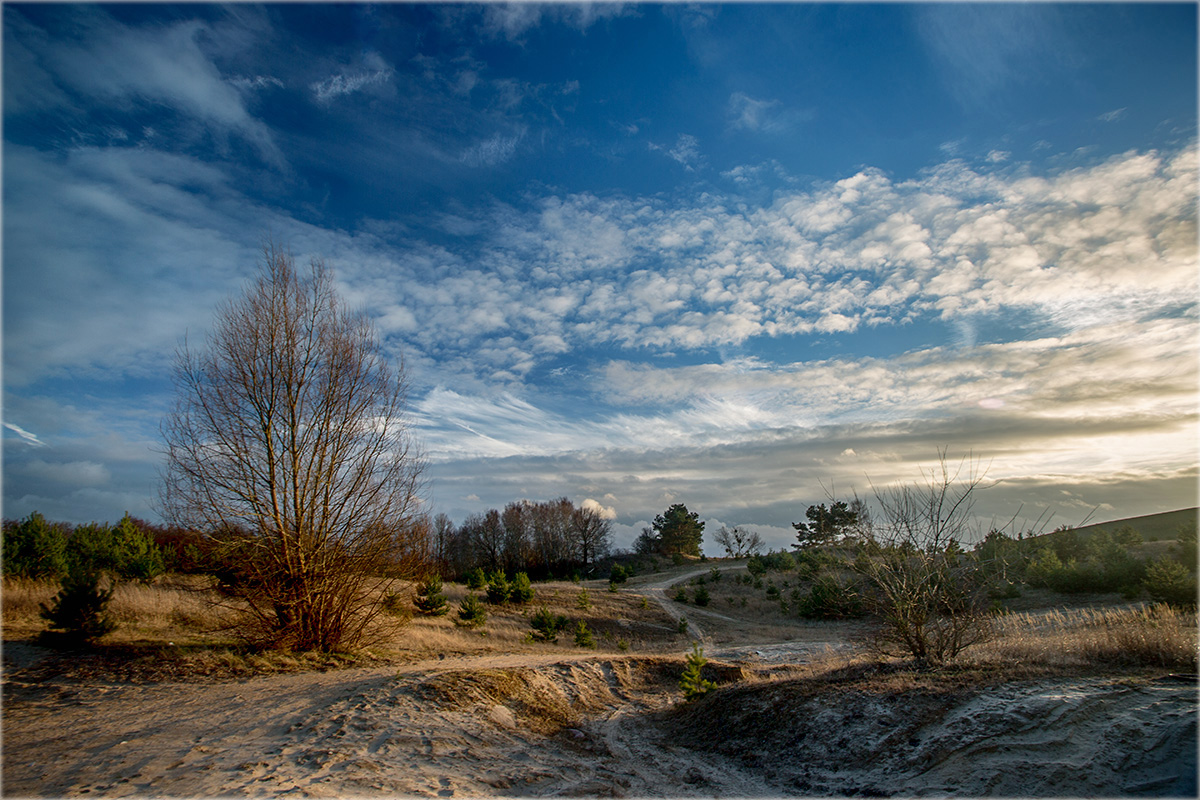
(530, 725)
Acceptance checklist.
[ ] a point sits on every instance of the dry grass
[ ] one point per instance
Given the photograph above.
(619, 621)
(1155, 636)
(178, 610)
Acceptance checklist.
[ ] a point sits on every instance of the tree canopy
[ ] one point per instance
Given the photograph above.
(825, 525)
(679, 531)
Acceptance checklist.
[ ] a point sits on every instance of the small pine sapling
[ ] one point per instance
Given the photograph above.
(583, 636)
(546, 625)
(78, 612)
(702, 598)
(430, 601)
(583, 601)
(476, 579)
(680, 595)
(692, 682)
(520, 590)
(471, 612)
(497, 588)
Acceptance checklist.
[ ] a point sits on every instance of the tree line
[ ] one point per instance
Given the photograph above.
(554, 538)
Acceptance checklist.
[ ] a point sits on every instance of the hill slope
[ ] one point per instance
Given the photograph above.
(1153, 527)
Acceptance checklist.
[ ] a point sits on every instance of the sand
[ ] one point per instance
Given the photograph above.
(579, 725)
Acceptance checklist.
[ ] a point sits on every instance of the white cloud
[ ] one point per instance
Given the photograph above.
(1074, 249)
(605, 512)
(491, 152)
(750, 114)
(686, 151)
(374, 71)
(25, 435)
(765, 116)
(513, 20)
(124, 65)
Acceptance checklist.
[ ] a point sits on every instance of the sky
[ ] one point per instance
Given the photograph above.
(742, 257)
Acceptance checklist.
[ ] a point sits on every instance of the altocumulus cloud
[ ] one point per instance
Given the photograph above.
(1112, 242)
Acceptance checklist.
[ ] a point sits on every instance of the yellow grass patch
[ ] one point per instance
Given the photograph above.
(1153, 636)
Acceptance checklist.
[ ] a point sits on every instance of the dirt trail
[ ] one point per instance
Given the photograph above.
(512, 726)
(657, 591)
(362, 732)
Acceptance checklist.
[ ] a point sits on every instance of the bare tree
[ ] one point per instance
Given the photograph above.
(590, 533)
(290, 439)
(738, 542)
(928, 594)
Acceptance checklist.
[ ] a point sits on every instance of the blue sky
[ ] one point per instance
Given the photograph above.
(735, 256)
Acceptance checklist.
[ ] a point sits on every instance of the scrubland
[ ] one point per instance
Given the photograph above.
(1081, 694)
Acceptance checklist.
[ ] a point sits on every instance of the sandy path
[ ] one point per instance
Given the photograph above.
(352, 732)
(657, 590)
(383, 731)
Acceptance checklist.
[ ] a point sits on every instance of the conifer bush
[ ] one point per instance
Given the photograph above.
(583, 636)
(471, 612)
(429, 600)
(78, 613)
(476, 579)
(1168, 581)
(702, 597)
(828, 599)
(691, 682)
(521, 589)
(547, 625)
(35, 548)
(583, 601)
(497, 589)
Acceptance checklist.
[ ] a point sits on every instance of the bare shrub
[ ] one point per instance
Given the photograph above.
(929, 596)
(290, 443)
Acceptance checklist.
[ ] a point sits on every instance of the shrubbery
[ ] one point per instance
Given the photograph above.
(546, 625)
(471, 612)
(691, 682)
(430, 600)
(476, 579)
(828, 598)
(583, 636)
(35, 548)
(1168, 581)
(78, 612)
(497, 588)
(521, 589)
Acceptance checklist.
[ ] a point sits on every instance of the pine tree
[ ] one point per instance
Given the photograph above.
(583, 636)
(79, 611)
(497, 588)
(476, 579)
(691, 682)
(471, 612)
(520, 590)
(546, 625)
(430, 600)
